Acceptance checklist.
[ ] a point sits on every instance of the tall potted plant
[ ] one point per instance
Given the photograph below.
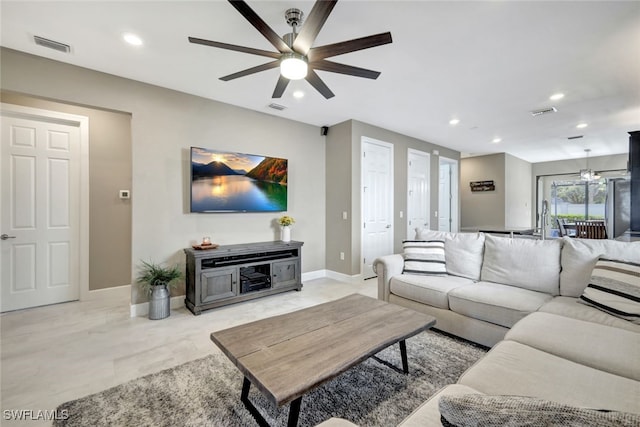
(156, 280)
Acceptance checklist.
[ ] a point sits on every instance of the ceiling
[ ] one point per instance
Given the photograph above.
(486, 63)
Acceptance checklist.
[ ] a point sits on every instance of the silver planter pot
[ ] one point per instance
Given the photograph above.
(159, 303)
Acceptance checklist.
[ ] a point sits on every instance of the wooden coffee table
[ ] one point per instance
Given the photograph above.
(289, 355)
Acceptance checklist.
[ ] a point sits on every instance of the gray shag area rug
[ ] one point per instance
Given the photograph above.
(206, 392)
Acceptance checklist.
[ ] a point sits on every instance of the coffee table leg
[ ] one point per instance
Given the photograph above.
(294, 412)
(403, 355)
(244, 397)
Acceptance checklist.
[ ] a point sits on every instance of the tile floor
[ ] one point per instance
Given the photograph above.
(53, 354)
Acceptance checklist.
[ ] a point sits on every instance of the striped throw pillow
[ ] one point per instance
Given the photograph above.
(424, 257)
(615, 288)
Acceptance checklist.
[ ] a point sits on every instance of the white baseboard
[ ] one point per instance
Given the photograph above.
(116, 292)
(312, 275)
(343, 277)
(142, 309)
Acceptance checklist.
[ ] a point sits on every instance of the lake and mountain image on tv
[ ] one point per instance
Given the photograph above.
(234, 182)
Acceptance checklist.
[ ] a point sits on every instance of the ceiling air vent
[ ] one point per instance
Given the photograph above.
(277, 106)
(575, 137)
(52, 44)
(536, 113)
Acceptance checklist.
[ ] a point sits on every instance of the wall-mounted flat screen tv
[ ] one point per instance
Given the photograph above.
(223, 181)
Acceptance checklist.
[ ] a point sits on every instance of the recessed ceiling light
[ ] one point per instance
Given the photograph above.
(454, 121)
(496, 140)
(298, 94)
(581, 125)
(132, 39)
(556, 96)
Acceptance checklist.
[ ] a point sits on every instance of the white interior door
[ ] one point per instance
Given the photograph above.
(418, 167)
(377, 202)
(448, 195)
(39, 212)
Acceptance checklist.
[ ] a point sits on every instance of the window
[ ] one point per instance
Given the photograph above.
(572, 199)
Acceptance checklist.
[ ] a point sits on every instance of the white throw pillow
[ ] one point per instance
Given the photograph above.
(424, 257)
(463, 251)
(579, 256)
(525, 263)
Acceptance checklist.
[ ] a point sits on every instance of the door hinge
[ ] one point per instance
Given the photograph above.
(364, 225)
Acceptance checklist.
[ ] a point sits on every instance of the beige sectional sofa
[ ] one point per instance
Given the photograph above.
(545, 343)
(520, 297)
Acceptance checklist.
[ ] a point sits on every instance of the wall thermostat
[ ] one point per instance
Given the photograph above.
(125, 194)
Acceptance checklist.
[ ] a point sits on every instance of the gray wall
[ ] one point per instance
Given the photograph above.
(109, 172)
(164, 125)
(482, 208)
(338, 197)
(343, 169)
(518, 195)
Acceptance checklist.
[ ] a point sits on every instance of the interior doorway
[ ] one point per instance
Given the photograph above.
(447, 195)
(418, 194)
(377, 202)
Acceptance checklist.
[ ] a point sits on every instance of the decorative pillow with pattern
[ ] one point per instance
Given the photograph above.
(519, 411)
(615, 288)
(424, 257)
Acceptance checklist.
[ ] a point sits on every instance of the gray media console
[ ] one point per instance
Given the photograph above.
(234, 273)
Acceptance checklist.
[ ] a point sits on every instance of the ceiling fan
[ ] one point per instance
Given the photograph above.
(296, 57)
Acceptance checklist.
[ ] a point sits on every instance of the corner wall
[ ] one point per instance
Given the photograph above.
(344, 176)
(165, 123)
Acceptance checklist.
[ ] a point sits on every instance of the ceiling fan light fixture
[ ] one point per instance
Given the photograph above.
(293, 66)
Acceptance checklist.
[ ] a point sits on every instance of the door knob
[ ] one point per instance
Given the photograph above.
(388, 225)
(6, 236)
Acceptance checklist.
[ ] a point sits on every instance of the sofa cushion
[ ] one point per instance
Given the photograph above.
(514, 411)
(615, 288)
(570, 307)
(492, 302)
(430, 290)
(517, 369)
(579, 256)
(428, 414)
(601, 347)
(463, 251)
(424, 257)
(525, 263)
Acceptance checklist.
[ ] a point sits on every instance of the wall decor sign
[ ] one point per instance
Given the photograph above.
(482, 186)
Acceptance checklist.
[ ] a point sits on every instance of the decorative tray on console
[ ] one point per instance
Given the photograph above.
(203, 247)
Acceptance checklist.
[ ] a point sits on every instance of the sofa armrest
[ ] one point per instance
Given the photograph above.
(386, 267)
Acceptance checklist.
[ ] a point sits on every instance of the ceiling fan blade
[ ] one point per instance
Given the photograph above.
(252, 70)
(260, 25)
(350, 70)
(315, 81)
(312, 25)
(326, 51)
(235, 47)
(280, 87)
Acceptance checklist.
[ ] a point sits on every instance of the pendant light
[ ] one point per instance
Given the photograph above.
(588, 174)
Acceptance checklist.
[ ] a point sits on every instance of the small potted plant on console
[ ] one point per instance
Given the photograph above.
(286, 222)
(156, 280)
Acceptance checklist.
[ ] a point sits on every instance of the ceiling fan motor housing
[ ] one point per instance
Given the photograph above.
(293, 16)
